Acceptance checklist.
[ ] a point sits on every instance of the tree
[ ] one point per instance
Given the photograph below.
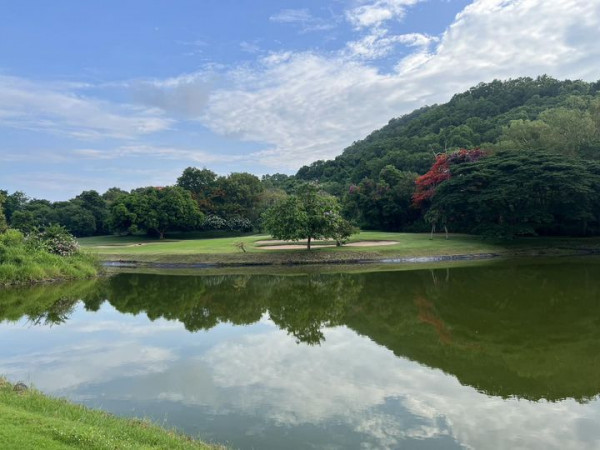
(96, 205)
(35, 214)
(75, 218)
(440, 172)
(238, 195)
(202, 184)
(14, 202)
(309, 214)
(515, 193)
(155, 210)
(3, 225)
(384, 204)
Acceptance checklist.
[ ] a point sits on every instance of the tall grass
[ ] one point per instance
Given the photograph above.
(22, 263)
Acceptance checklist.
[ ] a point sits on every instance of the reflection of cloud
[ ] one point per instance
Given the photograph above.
(70, 366)
(258, 372)
(127, 328)
(351, 379)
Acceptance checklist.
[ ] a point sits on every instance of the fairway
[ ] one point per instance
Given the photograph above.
(363, 246)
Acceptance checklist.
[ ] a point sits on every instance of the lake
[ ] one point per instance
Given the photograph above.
(499, 355)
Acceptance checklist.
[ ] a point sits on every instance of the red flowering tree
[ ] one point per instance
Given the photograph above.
(426, 185)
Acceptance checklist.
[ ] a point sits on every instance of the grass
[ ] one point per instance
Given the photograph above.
(20, 264)
(31, 420)
(223, 250)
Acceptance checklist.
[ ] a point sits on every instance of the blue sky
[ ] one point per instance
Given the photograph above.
(97, 94)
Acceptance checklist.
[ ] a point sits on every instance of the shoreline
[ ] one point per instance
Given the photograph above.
(132, 264)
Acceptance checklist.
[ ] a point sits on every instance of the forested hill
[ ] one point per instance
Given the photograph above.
(514, 113)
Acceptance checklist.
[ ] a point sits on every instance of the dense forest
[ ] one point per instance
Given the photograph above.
(506, 158)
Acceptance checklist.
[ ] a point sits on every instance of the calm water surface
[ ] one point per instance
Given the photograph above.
(498, 356)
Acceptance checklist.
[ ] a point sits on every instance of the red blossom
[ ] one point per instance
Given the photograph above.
(440, 172)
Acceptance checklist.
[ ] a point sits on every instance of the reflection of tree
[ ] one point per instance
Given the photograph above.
(305, 305)
(46, 304)
(302, 305)
(56, 313)
(526, 331)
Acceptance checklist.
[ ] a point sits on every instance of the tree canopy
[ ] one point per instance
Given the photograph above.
(309, 214)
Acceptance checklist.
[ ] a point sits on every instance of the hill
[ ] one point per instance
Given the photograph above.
(487, 115)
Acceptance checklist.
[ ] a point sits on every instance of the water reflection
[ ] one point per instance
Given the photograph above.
(394, 358)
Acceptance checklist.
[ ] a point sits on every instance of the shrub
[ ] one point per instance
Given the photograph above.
(239, 224)
(213, 222)
(11, 237)
(54, 239)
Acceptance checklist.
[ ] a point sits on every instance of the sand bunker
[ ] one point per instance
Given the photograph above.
(320, 245)
(121, 245)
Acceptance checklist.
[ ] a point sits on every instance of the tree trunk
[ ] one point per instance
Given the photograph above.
(308, 243)
(432, 231)
(446, 230)
(161, 235)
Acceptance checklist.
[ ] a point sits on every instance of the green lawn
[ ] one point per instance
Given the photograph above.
(223, 250)
(31, 420)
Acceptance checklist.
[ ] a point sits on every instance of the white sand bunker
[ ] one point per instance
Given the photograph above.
(268, 245)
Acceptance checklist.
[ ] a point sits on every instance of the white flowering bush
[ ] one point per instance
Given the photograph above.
(54, 239)
(213, 222)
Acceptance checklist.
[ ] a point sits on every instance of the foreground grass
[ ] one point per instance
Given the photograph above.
(31, 420)
(409, 245)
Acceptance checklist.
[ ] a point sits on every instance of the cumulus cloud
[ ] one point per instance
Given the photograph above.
(372, 14)
(351, 380)
(60, 109)
(301, 106)
(307, 105)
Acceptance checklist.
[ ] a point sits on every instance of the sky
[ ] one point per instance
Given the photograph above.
(128, 93)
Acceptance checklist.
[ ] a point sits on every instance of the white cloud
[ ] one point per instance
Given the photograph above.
(349, 379)
(302, 106)
(291, 16)
(373, 14)
(303, 18)
(57, 108)
(306, 106)
(149, 151)
(380, 43)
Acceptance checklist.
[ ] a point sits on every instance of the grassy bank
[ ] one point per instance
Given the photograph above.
(223, 250)
(31, 420)
(21, 263)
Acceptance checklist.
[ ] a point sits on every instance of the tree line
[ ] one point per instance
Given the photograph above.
(503, 159)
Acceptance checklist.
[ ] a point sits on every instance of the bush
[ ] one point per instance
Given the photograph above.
(213, 222)
(239, 224)
(54, 239)
(11, 237)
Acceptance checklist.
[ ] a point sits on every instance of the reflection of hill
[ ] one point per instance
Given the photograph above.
(528, 331)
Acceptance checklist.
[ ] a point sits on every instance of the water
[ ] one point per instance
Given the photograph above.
(496, 356)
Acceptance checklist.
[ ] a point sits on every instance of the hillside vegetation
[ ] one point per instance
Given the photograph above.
(508, 114)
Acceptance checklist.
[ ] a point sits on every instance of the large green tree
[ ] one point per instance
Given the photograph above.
(520, 193)
(155, 211)
(385, 203)
(309, 214)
